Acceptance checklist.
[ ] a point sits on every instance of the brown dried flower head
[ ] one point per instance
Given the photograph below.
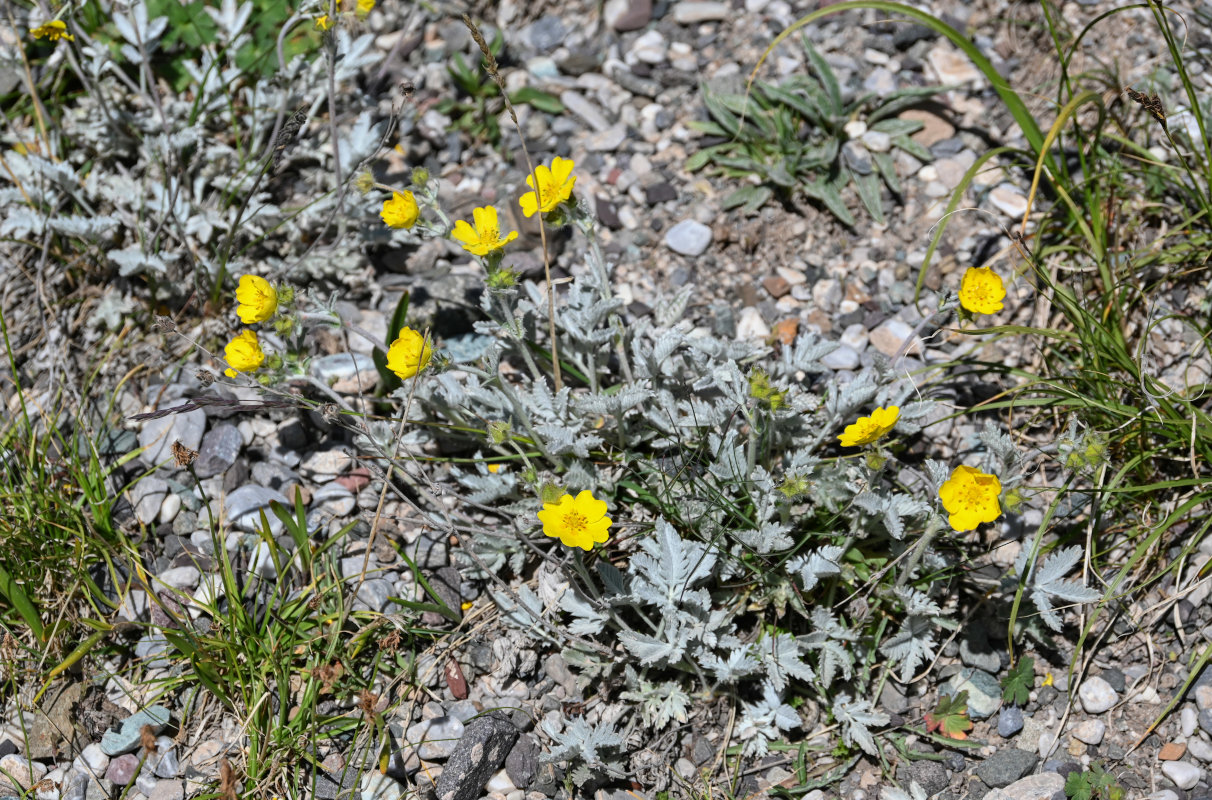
(182, 455)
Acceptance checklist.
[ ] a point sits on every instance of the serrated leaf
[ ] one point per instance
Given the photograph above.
(1019, 680)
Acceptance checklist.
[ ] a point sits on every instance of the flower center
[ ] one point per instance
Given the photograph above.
(575, 521)
(491, 233)
(974, 498)
(550, 189)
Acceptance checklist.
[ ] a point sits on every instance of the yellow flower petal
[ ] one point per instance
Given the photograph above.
(401, 211)
(866, 430)
(409, 354)
(257, 298)
(243, 354)
(54, 30)
(577, 522)
(555, 186)
(981, 291)
(971, 498)
(486, 237)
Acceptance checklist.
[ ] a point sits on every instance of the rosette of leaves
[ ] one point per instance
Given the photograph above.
(792, 137)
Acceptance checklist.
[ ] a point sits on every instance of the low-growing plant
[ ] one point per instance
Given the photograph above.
(803, 137)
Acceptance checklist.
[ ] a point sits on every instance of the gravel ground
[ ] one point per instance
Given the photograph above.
(630, 78)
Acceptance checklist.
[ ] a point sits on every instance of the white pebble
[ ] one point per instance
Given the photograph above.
(1184, 775)
(1097, 695)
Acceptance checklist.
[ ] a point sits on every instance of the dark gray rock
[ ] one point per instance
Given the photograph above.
(1205, 720)
(1009, 721)
(930, 775)
(974, 651)
(244, 506)
(220, 448)
(1115, 677)
(484, 746)
(523, 761)
(1006, 766)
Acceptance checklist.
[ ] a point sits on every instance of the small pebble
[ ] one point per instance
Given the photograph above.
(1172, 751)
(1184, 775)
(689, 238)
(1188, 720)
(1009, 721)
(1090, 731)
(1096, 695)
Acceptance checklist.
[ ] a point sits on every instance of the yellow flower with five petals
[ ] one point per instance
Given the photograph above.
(243, 354)
(579, 521)
(555, 186)
(981, 291)
(486, 236)
(970, 497)
(401, 211)
(258, 299)
(408, 354)
(866, 430)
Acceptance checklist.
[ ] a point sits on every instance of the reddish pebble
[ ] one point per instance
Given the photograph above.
(1171, 751)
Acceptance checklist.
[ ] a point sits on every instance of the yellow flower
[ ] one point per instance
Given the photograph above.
(555, 186)
(323, 23)
(970, 497)
(866, 430)
(408, 354)
(486, 236)
(54, 30)
(364, 7)
(576, 522)
(243, 354)
(258, 299)
(400, 211)
(981, 291)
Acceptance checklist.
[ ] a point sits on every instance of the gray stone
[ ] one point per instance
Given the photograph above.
(523, 761)
(1183, 774)
(930, 775)
(148, 495)
(341, 366)
(1005, 767)
(220, 448)
(1096, 695)
(984, 692)
(375, 592)
(167, 790)
(1187, 721)
(483, 748)
(588, 111)
(1090, 731)
(974, 651)
(651, 48)
(1205, 720)
(857, 157)
(1199, 748)
(48, 726)
(607, 141)
(689, 238)
(158, 436)
(1009, 721)
(244, 507)
(546, 33)
(891, 335)
(690, 12)
(1007, 199)
(844, 357)
(1033, 787)
(627, 15)
(127, 737)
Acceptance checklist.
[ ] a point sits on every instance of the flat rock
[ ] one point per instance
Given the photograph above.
(148, 495)
(1006, 766)
(128, 737)
(891, 334)
(158, 436)
(689, 238)
(1007, 199)
(220, 448)
(1009, 721)
(1090, 731)
(984, 692)
(244, 507)
(1032, 787)
(690, 12)
(627, 15)
(951, 66)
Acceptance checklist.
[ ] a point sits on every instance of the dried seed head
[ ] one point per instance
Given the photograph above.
(205, 377)
(165, 324)
(182, 455)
